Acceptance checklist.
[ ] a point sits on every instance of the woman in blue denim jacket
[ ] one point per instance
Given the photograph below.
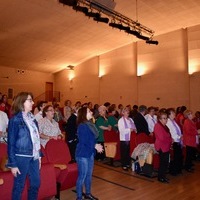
(24, 147)
(85, 151)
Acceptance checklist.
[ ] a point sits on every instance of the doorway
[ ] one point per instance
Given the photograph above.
(49, 91)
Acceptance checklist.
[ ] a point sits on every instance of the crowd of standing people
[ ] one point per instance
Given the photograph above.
(83, 126)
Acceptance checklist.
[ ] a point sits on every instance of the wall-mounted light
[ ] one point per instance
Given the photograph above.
(193, 67)
(71, 76)
(101, 73)
(141, 70)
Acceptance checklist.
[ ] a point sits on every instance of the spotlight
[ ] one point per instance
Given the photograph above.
(125, 28)
(133, 32)
(142, 37)
(114, 25)
(81, 9)
(152, 42)
(69, 2)
(93, 14)
(101, 19)
(119, 26)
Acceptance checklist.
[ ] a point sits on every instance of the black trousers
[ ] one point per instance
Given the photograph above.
(176, 164)
(72, 148)
(101, 156)
(190, 154)
(125, 153)
(164, 162)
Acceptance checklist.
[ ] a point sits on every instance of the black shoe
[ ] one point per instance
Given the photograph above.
(91, 197)
(173, 173)
(72, 161)
(125, 168)
(189, 170)
(163, 180)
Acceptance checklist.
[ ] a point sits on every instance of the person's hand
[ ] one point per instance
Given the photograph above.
(40, 162)
(54, 137)
(99, 148)
(15, 171)
(151, 134)
(109, 127)
(59, 137)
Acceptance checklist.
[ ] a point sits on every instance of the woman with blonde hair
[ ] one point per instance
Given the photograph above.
(102, 125)
(125, 126)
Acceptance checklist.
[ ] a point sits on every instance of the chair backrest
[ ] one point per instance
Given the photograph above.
(111, 136)
(3, 150)
(57, 152)
(143, 138)
(132, 142)
(44, 155)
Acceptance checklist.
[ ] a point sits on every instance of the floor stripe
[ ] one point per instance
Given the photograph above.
(126, 173)
(103, 179)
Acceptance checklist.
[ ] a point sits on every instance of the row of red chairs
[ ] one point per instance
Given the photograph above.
(47, 176)
(55, 169)
(57, 153)
(112, 136)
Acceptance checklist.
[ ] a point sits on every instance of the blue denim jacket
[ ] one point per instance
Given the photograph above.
(86, 142)
(19, 139)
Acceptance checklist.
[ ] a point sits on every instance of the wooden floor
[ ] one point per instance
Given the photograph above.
(112, 183)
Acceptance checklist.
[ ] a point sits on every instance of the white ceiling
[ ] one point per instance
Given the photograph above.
(46, 36)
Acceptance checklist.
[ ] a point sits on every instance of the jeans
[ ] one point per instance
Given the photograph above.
(85, 169)
(27, 166)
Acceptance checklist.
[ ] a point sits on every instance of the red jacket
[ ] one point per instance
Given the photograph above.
(163, 137)
(189, 133)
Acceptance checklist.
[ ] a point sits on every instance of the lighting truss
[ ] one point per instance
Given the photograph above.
(117, 20)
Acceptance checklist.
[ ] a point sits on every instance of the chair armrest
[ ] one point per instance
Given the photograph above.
(1, 181)
(60, 166)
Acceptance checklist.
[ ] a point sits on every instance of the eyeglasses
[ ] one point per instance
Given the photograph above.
(30, 100)
(50, 110)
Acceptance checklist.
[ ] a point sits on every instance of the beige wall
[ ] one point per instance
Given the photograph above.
(84, 85)
(28, 81)
(194, 66)
(118, 83)
(163, 74)
(165, 82)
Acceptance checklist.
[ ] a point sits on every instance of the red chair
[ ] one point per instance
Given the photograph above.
(142, 138)
(132, 142)
(58, 154)
(6, 188)
(112, 136)
(47, 176)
